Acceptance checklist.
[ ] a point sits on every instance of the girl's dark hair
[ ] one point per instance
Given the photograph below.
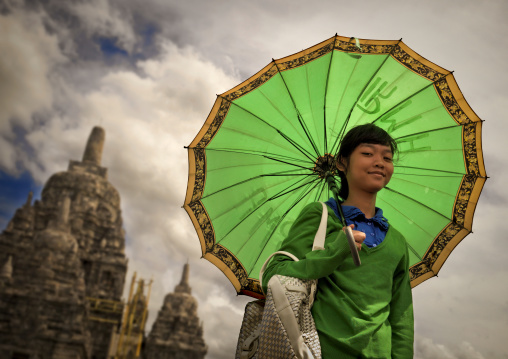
(367, 133)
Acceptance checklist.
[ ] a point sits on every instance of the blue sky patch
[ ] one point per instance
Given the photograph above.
(109, 47)
(13, 194)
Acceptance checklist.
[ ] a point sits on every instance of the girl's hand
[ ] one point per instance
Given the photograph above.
(358, 236)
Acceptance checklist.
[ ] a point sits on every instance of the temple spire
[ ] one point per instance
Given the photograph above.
(184, 286)
(28, 202)
(94, 146)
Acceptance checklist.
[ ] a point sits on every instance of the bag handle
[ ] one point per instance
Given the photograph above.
(318, 244)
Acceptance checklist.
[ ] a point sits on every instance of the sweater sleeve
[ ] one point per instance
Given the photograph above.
(311, 264)
(401, 312)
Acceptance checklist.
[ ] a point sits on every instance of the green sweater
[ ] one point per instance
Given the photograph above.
(360, 312)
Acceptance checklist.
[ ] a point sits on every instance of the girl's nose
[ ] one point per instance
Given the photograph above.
(379, 162)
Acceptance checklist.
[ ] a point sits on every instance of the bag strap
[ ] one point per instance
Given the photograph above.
(318, 244)
(319, 239)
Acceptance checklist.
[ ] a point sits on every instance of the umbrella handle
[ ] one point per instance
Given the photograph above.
(352, 246)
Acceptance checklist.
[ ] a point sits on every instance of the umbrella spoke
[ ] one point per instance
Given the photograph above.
(287, 173)
(258, 136)
(402, 214)
(414, 134)
(424, 188)
(423, 205)
(432, 170)
(289, 190)
(283, 115)
(288, 163)
(261, 204)
(283, 216)
(340, 134)
(392, 111)
(360, 96)
(326, 98)
(451, 174)
(270, 156)
(299, 116)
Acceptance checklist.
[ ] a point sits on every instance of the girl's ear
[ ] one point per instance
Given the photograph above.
(340, 163)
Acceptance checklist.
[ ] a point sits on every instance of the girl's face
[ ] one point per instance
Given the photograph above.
(369, 168)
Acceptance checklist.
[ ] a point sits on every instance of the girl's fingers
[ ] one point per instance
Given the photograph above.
(359, 236)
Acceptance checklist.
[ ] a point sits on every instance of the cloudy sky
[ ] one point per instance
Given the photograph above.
(148, 72)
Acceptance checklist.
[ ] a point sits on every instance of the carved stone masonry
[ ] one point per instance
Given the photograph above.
(63, 265)
(177, 332)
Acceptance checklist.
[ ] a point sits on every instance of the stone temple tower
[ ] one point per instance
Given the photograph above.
(93, 220)
(177, 332)
(96, 222)
(43, 310)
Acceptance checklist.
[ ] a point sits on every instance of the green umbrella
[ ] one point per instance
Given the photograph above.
(263, 151)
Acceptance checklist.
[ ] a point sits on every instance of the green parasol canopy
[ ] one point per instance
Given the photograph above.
(262, 153)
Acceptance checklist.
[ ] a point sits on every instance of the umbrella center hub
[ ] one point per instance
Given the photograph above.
(324, 164)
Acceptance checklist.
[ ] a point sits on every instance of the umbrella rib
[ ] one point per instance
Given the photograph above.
(260, 154)
(298, 115)
(302, 196)
(408, 244)
(272, 156)
(287, 138)
(318, 195)
(380, 118)
(344, 125)
(424, 205)
(283, 193)
(282, 173)
(297, 146)
(278, 110)
(431, 169)
(423, 186)
(255, 209)
(343, 129)
(452, 174)
(288, 163)
(427, 131)
(326, 93)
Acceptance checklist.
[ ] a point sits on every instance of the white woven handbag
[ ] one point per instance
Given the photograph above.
(281, 326)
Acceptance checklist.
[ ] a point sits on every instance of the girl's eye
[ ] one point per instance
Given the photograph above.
(389, 159)
(366, 153)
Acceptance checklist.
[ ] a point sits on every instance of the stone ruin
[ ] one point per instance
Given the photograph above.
(63, 267)
(177, 332)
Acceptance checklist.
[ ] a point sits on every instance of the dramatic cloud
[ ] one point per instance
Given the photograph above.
(427, 349)
(29, 55)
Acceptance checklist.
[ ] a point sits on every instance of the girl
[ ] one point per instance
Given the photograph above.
(365, 311)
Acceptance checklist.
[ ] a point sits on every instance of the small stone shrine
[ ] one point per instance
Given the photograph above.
(177, 332)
